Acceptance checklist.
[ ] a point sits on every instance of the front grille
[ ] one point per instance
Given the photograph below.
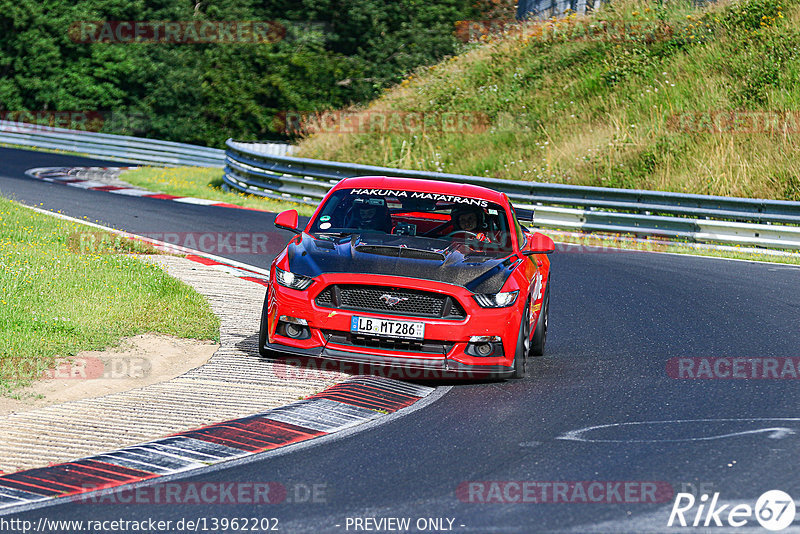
(405, 345)
(378, 299)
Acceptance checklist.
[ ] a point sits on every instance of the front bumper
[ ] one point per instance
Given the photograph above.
(445, 352)
(395, 367)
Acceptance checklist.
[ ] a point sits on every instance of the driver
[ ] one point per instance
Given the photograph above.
(468, 220)
(370, 214)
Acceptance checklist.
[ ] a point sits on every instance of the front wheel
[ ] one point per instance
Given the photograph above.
(262, 334)
(540, 334)
(523, 345)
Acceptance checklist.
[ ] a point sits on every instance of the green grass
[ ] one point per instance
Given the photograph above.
(602, 112)
(56, 300)
(203, 182)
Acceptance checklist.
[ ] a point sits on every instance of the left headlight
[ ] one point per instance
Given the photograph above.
(291, 280)
(496, 300)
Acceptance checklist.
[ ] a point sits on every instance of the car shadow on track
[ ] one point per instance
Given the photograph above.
(308, 368)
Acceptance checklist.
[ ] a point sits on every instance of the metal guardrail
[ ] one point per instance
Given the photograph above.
(108, 146)
(699, 218)
(544, 9)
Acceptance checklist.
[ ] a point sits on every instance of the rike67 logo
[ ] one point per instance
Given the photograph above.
(774, 510)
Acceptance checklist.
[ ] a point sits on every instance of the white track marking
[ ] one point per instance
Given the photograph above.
(132, 192)
(771, 432)
(200, 201)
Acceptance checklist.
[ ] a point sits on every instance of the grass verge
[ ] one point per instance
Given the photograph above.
(56, 301)
(203, 182)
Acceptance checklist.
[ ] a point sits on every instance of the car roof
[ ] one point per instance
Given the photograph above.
(427, 186)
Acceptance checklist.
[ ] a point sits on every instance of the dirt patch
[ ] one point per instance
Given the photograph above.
(138, 361)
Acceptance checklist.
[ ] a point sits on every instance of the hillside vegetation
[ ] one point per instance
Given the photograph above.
(642, 95)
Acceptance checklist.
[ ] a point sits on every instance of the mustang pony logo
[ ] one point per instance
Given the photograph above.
(391, 300)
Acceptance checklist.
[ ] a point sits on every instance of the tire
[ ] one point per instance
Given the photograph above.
(523, 346)
(262, 334)
(540, 334)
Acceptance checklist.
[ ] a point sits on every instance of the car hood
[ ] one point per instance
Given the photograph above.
(396, 255)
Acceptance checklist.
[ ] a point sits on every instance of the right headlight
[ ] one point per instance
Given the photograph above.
(291, 280)
(496, 300)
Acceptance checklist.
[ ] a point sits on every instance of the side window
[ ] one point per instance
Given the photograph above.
(519, 230)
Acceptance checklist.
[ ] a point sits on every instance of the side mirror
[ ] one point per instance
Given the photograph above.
(287, 220)
(540, 244)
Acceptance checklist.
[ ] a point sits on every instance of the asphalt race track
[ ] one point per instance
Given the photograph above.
(617, 318)
(151, 216)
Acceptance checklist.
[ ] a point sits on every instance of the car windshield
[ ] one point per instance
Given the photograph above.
(432, 221)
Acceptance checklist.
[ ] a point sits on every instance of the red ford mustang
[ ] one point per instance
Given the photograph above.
(437, 279)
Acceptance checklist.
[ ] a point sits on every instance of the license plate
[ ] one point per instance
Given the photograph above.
(387, 327)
